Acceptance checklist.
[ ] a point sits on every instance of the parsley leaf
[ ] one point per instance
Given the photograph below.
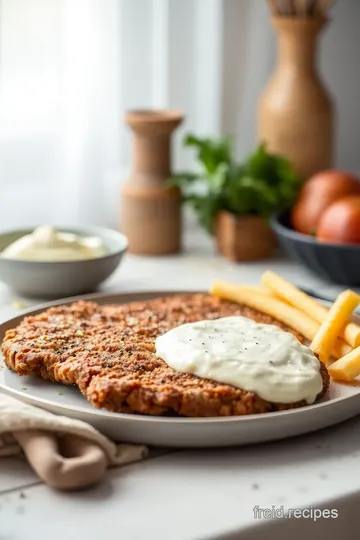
(262, 184)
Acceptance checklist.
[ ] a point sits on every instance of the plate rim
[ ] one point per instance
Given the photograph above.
(144, 295)
(178, 420)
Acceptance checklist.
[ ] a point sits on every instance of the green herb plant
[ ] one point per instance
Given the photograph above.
(261, 185)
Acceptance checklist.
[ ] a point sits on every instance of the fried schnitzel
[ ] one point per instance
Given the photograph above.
(109, 353)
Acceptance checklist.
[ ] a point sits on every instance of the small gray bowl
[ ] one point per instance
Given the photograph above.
(64, 278)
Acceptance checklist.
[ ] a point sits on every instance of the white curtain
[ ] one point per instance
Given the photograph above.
(70, 68)
(60, 110)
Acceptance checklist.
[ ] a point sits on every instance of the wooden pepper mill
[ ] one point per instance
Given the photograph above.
(150, 211)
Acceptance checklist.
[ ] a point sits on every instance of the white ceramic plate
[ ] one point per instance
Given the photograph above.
(341, 403)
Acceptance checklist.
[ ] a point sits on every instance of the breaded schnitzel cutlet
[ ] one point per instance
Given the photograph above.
(109, 353)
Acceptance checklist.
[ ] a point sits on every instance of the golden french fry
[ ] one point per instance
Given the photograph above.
(341, 348)
(276, 308)
(291, 294)
(333, 324)
(267, 304)
(255, 288)
(347, 367)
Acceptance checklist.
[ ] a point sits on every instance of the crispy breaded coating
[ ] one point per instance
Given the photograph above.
(109, 353)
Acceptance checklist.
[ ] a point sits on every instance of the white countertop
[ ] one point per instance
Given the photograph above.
(193, 495)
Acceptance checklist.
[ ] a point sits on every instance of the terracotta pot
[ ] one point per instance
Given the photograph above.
(150, 212)
(243, 238)
(295, 112)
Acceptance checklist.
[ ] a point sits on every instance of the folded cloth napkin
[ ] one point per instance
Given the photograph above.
(17, 418)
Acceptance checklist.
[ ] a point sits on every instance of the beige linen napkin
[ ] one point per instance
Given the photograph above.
(22, 424)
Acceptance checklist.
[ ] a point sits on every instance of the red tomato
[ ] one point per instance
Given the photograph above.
(340, 223)
(319, 192)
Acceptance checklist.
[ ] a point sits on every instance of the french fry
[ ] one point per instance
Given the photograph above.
(347, 367)
(333, 324)
(291, 294)
(341, 348)
(276, 308)
(267, 304)
(256, 289)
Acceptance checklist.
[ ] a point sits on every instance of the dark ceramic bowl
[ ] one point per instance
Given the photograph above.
(339, 263)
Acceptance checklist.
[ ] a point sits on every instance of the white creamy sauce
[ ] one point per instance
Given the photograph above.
(47, 244)
(259, 358)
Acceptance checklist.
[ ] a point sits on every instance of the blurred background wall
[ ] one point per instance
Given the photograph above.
(69, 69)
